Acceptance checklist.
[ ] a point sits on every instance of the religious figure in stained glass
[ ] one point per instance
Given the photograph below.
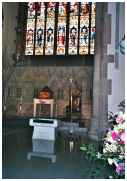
(29, 39)
(50, 36)
(84, 35)
(53, 26)
(40, 26)
(39, 36)
(73, 35)
(62, 9)
(38, 8)
(61, 35)
(51, 9)
(85, 8)
(74, 9)
(31, 10)
(61, 39)
(93, 34)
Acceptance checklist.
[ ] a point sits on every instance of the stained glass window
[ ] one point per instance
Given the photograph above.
(60, 28)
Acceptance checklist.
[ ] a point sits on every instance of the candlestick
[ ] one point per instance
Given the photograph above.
(20, 107)
(20, 104)
(71, 80)
(21, 100)
(56, 110)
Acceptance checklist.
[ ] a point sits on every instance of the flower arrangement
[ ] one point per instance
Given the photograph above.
(113, 147)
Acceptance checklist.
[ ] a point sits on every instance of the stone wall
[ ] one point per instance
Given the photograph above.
(30, 79)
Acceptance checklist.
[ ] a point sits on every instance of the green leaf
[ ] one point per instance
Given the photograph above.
(82, 148)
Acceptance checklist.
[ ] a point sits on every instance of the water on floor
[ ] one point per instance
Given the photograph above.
(24, 158)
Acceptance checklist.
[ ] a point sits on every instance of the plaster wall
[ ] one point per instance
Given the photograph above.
(116, 70)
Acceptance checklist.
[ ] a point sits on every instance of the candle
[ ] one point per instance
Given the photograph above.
(71, 80)
(4, 107)
(20, 105)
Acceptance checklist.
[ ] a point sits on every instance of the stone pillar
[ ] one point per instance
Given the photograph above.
(100, 83)
(9, 23)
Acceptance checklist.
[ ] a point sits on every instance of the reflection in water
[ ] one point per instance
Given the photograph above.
(43, 148)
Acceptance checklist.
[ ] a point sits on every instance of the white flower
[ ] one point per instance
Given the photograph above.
(113, 148)
(110, 148)
(110, 177)
(121, 157)
(109, 139)
(110, 161)
(115, 161)
(120, 113)
(120, 126)
(99, 155)
(104, 150)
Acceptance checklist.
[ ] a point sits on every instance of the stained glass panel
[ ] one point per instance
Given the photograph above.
(30, 29)
(50, 24)
(73, 28)
(30, 37)
(74, 8)
(62, 9)
(39, 45)
(31, 10)
(61, 29)
(93, 29)
(51, 10)
(84, 28)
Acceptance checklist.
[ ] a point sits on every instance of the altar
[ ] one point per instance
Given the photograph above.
(43, 104)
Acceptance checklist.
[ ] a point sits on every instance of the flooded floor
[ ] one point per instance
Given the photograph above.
(42, 159)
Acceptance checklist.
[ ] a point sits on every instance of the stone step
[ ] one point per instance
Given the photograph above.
(67, 124)
(71, 128)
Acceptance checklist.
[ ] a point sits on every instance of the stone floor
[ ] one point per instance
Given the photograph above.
(71, 128)
(24, 158)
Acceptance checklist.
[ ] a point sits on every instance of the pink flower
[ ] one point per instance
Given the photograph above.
(114, 135)
(122, 137)
(119, 119)
(120, 168)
